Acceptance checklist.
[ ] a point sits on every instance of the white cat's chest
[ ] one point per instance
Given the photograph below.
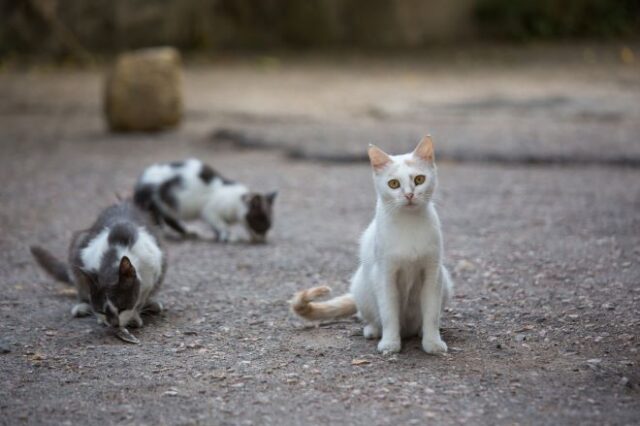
(409, 242)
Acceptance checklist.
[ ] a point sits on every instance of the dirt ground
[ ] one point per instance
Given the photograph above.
(544, 325)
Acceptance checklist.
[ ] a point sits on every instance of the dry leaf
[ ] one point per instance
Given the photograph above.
(360, 362)
(38, 357)
(67, 291)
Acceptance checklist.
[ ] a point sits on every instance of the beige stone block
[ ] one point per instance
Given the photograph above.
(143, 91)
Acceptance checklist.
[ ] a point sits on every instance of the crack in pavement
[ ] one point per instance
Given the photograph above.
(242, 139)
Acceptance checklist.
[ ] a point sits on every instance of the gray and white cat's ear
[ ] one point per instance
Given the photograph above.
(378, 158)
(424, 150)
(126, 270)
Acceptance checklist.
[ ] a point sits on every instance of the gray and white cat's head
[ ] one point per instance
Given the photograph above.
(114, 284)
(404, 182)
(114, 291)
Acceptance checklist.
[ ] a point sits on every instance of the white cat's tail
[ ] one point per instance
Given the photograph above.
(338, 307)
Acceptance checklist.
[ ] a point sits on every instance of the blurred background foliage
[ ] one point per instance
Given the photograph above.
(552, 19)
(83, 27)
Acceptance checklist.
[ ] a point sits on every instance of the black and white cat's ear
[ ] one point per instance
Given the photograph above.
(378, 158)
(271, 197)
(126, 270)
(424, 150)
(251, 198)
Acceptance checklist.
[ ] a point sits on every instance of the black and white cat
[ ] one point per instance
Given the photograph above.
(117, 266)
(191, 189)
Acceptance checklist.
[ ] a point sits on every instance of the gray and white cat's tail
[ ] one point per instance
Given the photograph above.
(339, 307)
(52, 265)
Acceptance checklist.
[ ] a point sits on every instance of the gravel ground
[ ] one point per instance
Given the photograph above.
(543, 329)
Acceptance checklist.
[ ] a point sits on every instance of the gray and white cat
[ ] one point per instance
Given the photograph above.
(191, 189)
(401, 285)
(117, 266)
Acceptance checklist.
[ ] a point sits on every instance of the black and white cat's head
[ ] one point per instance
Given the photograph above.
(259, 214)
(405, 182)
(114, 291)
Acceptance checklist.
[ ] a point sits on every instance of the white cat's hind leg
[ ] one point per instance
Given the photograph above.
(367, 309)
(371, 331)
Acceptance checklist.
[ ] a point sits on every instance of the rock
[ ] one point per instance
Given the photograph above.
(5, 348)
(625, 382)
(143, 91)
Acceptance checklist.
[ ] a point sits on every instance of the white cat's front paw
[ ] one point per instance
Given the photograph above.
(389, 346)
(371, 332)
(434, 345)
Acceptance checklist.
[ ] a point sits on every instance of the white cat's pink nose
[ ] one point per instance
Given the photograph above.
(409, 196)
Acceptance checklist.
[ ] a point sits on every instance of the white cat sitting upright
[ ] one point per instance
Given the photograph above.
(401, 285)
(191, 189)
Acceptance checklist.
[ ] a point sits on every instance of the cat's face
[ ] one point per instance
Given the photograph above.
(406, 181)
(259, 215)
(114, 293)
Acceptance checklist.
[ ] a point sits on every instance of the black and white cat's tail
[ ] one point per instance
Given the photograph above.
(148, 200)
(338, 307)
(52, 265)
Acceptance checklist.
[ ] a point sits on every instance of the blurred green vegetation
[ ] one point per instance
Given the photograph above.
(82, 28)
(553, 19)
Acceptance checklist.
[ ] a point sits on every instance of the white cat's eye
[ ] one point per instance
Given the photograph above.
(394, 184)
(419, 180)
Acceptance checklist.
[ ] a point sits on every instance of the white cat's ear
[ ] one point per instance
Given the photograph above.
(378, 157)
(424, 150)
